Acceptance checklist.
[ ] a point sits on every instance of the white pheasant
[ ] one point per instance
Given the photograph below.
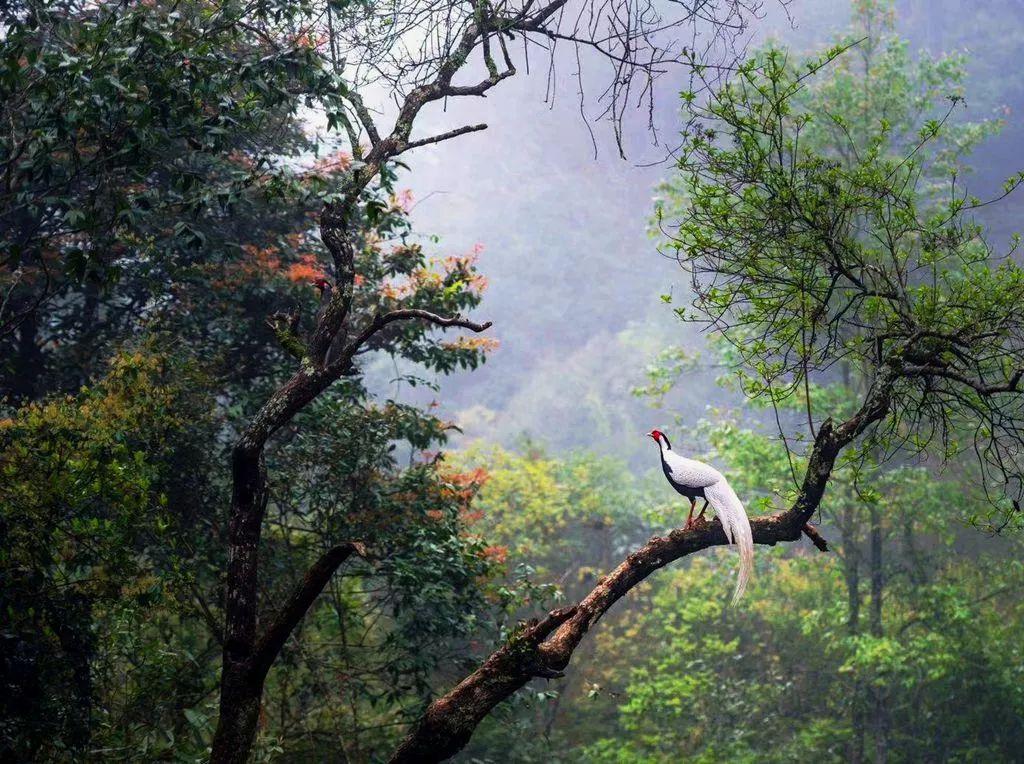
(695, 480)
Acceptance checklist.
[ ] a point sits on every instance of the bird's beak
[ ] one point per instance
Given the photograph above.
(650, 434)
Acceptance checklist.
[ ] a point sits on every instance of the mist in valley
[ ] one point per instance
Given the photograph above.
(568, 246)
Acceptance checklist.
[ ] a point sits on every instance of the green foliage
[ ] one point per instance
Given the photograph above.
(818, 212)
(92, 510)
(568, 517)
(663, 373)
(155, 171)
(778, 680)
(120, 116)
(673, 673)
(160, 181)
(367, 655)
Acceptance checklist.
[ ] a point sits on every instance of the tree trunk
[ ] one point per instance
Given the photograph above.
(916, 571)
(29, 360)
(241, 685)
(851, 571)
(240, 694)
(877, 579)
(879, 712)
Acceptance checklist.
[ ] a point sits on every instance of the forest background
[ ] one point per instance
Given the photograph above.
(490, 476)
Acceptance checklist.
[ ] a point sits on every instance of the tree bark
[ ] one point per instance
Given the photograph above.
(544, 648)
(247, 659)
(241, 688)
(244, 674)
(241, 677)
(240, 698)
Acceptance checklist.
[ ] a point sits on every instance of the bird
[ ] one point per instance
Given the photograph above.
(324, 286)
(697, 480)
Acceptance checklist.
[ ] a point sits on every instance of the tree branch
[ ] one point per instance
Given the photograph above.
(426, 315)
(812, 532)
(480, 88)
(379, 322)
(338, 238)
(443, 136)
(448, 723)
(1012, 384)
(298, 604)
(364, 116)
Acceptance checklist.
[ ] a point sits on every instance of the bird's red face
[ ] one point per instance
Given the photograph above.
(320, 283)
(656, 434)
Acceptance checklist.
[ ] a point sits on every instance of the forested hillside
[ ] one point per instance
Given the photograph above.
(364, 369)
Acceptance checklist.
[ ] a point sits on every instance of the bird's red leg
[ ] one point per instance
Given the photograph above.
(689, 517)
(702, 509)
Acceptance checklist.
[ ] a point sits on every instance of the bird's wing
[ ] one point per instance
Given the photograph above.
(690, 472)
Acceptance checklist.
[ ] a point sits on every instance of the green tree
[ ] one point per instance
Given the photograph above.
(865, 123)
(695, 679)
(806, 255)
(818, 235)
(199, 232)
(94, 516)
(144, 161)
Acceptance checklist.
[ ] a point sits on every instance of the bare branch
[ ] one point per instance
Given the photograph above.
(365, 118)
(405, 314)
(812, 532)
(426, 315)
(1011, 385)
(443, 136)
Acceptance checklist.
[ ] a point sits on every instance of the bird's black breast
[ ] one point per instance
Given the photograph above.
(690, 492)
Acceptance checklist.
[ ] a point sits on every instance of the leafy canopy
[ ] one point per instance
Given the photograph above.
(819, 210)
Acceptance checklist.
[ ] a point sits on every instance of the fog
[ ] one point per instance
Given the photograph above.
(574, 274)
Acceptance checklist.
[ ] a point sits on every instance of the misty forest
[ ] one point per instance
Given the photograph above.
(511, 381)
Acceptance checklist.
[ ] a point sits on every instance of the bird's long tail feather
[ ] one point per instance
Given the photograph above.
(737, 529)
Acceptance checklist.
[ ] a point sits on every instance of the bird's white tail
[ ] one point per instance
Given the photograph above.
(737, 529)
